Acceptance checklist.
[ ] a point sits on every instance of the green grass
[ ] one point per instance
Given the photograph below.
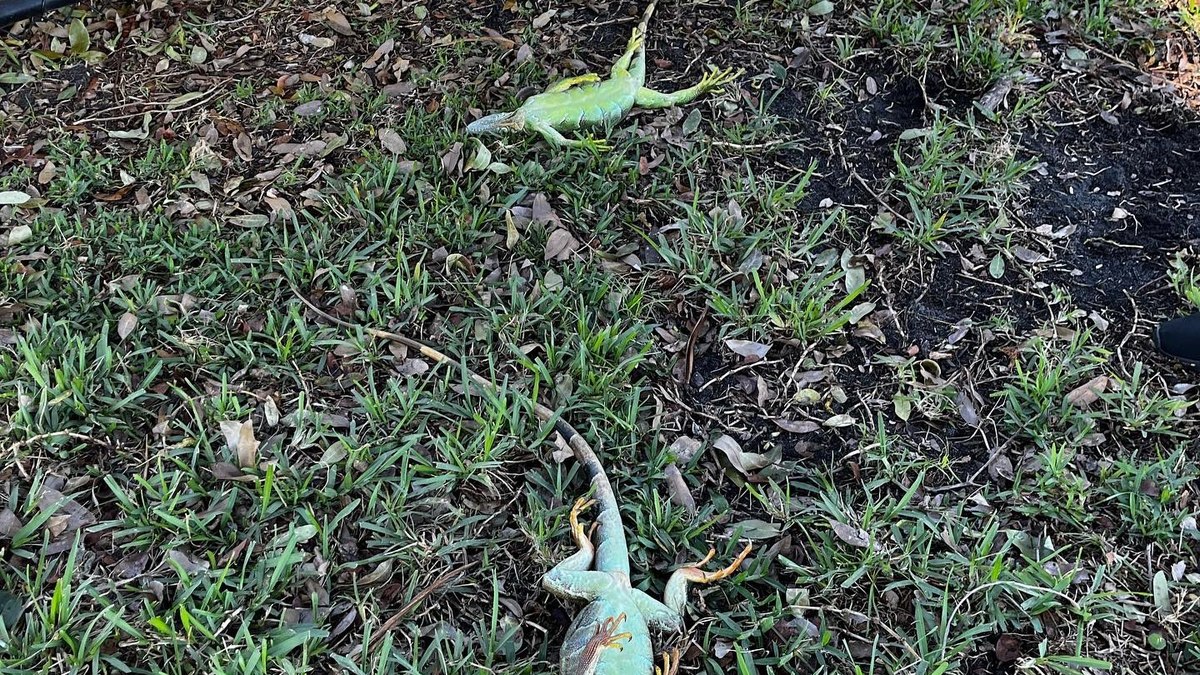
(393, 521)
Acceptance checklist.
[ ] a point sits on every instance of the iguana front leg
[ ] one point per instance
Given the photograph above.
(713, 80)
(555, 138)
(576, 81)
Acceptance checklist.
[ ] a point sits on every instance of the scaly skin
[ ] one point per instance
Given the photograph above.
(610, 636)
(587, 100)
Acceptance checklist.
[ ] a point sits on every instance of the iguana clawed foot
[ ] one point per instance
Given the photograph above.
(716, 78)
(699, 576)
(670, 664)
(636, 39)
(597, 145)
(581, 538)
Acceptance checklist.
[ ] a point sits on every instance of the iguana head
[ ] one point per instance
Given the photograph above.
(497, 123)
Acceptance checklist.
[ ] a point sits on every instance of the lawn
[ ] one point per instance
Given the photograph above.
(882, 308)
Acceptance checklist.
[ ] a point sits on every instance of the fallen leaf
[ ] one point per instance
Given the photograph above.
(17, 235)
(560, 245)
(821, 8)
(13, 197)
(755, 351)
(451, 159)
(126, 324)
(754, 528)
(309, 108)
(47, 174)
(544, 18)
(380, 52)
(1162, 594)
(227, 471)
(745, 462)
(131, 566)
(685, 448)
(512, 236)
(854, 536)
(677, 486)
(378, 575)
(392, 142)
(481, 158)
(239, 437)
(1008, 648)
(315, 41)
(270, 412)
(542, 213)
(1026, 255)
(1088, 392)
(840, 421)
(797, 427)
(10, 524)
(189, 565)
(77, 34)
(337, 21)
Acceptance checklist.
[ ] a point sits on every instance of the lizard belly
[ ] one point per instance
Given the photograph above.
(583, 654)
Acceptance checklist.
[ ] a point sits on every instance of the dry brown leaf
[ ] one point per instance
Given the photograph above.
(854, 536)
(239, 437)
(392, 142)
(1088, 392)
(560, 245)
(452, 158)
(10, 524)
(337, 21)
(47, 174)
(838, 421)
(677, 486)
(309, 108)
(544, 18)
(380, 52)
(754, 351)
(126, 324)
(797, 427)
(745, 462)
(542, 213)
(685, 448)
(270, 412)
(227, 471)
(1030, 256)
(512, 236)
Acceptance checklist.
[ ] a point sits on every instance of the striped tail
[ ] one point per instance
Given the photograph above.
(612, 551)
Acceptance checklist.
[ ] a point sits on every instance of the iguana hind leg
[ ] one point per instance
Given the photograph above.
(573, 577)
(553, 136)
(713, 80)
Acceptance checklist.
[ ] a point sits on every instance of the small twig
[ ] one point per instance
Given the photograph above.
(754, 146)
(71, 434)
(11, 450)
(417, 599)
(691, 345)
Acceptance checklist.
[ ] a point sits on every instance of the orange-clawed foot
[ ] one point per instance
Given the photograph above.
(581, 538)
(696, 575)
(670, 664)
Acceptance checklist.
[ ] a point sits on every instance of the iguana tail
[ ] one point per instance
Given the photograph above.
(612, 553)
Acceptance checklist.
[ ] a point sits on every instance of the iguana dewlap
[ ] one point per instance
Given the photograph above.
(587, 100)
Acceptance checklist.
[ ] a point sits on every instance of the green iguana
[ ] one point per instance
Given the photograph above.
(586, 100)
(610, 636)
